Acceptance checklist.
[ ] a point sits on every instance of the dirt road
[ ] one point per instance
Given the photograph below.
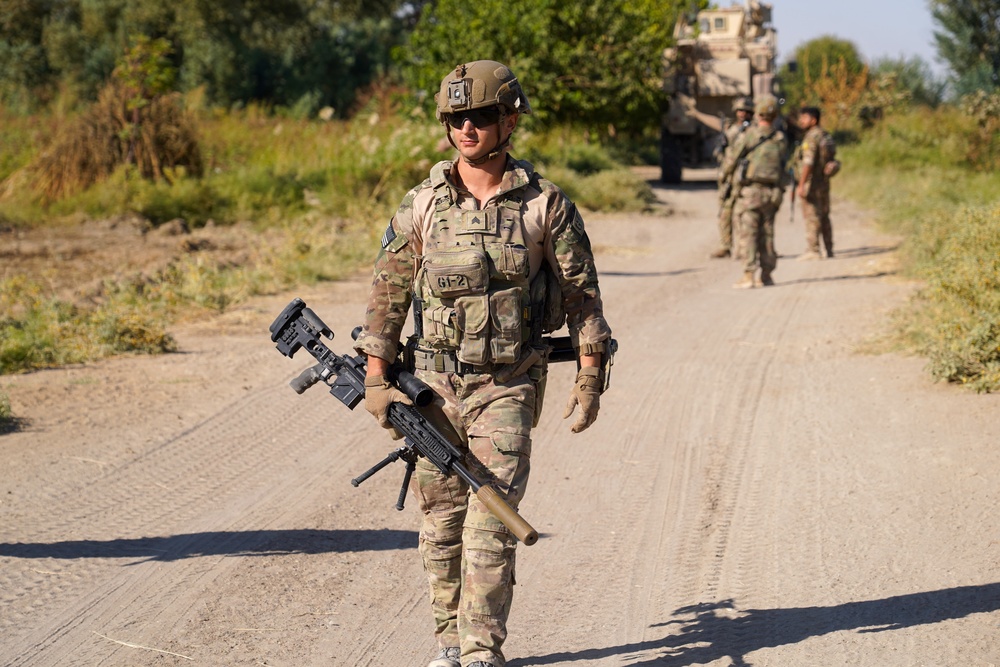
(755, 492)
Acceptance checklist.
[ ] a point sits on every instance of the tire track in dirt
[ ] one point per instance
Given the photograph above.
(203, 480)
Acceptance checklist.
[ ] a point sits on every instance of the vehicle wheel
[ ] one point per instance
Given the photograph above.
(670, 158)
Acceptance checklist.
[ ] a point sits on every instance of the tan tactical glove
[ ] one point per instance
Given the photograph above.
(379, 393)
(586, 392)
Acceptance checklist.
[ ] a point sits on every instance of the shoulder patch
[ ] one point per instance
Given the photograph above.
(391, 241)
(389, 236)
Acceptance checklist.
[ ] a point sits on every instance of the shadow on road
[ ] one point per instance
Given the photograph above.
(246, 543)
(862, 276)
(13, 425)
(648, 274)
(867, 250)
(685, 186)
(710, 631)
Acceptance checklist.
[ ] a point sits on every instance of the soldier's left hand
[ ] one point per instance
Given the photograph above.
(587, 394)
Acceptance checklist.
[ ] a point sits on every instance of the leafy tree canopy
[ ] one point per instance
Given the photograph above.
(817, 59)
(968, 39)
(283, 52)
(596, 63)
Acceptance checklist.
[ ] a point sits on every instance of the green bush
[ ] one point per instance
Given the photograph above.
(6, 414)
(912, 170)
(38, 331)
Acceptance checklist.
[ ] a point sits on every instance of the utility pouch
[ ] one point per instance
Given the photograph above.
(546, 303)
(505, 312)
(438, 327)
(511, 261)
(451, 273)
(472, 315)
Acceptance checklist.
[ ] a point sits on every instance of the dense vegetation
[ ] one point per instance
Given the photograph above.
(932, 177)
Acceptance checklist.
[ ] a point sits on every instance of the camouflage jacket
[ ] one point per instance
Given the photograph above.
(817, 148)
(553, 231)
(732, 133)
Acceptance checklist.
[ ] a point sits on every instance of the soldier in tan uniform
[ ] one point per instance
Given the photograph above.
(743, 107)
(814, 164)
(490, 255)
(757, 167)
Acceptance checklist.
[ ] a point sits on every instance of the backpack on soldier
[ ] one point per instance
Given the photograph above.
(766, 161)
(828, 155)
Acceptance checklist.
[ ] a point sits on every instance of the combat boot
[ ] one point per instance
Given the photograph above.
(765, 279)
(808, 255)
(746, 282)
(720, 253)
(449, 657)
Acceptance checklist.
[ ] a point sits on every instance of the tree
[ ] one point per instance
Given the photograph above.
(597, 63)
(817, 60)
(912, 75)
(968, 39)
(304, 53)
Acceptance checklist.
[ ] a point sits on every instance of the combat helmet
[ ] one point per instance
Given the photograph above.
(743, 104)
(766, 106)
(478, 85)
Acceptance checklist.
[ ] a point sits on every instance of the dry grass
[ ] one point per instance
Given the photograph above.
(157, 139)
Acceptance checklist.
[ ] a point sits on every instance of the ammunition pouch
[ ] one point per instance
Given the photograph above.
(452, 273)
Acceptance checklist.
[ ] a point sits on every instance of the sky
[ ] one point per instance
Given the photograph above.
(879, 28)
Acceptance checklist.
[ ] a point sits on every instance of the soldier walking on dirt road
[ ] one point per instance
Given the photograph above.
(814, 164)
(757, 167)
(491, 255)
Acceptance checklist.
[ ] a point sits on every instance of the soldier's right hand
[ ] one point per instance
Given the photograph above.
(379, 394)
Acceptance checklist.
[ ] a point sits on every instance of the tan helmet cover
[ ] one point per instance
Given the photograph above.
(743, 104)
(766, 106)
(479, 84)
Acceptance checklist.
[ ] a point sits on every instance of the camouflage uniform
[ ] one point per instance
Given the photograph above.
(527, 226)
(726, 231)
(817, 149)
(760, 195)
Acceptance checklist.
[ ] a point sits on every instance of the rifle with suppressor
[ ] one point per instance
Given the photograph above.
(299, 327)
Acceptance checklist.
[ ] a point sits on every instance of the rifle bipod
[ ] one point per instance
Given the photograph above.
(407, 454)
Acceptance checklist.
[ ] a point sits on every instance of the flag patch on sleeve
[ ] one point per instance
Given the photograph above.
(389, 236)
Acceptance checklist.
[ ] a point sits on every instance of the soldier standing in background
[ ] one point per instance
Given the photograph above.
(757, 166)
(490, 255)
(814, 163)
(743, 107)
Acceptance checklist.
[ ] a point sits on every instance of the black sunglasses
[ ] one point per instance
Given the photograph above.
(480, 118)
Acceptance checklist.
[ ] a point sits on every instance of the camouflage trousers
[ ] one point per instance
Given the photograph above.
(755, 209)
(726, 224)
(816, 211)
(468, 553)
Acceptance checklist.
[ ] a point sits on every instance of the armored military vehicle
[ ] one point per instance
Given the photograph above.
(722, 55)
